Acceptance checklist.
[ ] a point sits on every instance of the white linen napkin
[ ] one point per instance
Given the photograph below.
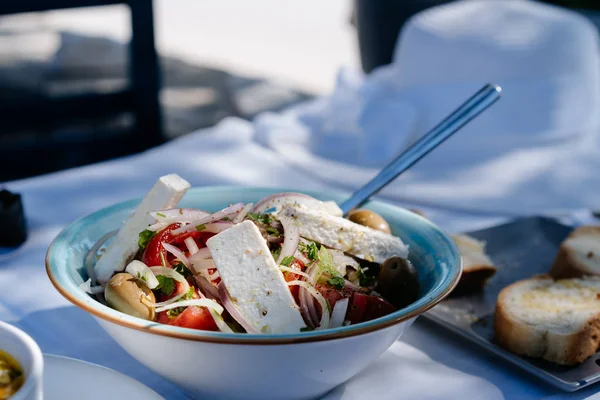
(535, 151)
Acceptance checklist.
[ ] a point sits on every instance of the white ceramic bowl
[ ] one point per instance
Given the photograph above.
(215, 365)
(24, 349)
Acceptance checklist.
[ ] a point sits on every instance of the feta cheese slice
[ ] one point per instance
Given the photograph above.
(165, 193)
(341, 234)
(253, 279)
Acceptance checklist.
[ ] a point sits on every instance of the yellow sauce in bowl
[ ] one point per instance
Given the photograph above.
(11, 376)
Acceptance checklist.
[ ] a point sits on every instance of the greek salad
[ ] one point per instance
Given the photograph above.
(286, 264)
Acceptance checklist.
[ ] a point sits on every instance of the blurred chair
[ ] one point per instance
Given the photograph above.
(44, 131)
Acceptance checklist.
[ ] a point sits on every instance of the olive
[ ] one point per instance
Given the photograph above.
(130, 295)
(398, 282)
(370, 219)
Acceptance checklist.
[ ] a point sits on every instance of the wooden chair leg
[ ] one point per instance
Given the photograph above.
(144, 73)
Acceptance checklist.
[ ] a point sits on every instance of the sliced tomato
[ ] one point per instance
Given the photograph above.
(332, 295)
(361, 308)
(195, 318)
(357, 308)
(154, 251)
(377, 307)
(290, 276)
(199, 237)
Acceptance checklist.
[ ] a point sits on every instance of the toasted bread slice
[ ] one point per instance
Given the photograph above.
(477, 265)
(555, 320)
(579, 254)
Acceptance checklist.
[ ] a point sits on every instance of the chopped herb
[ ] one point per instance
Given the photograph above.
(201, 227)
(328, 305)
(307, 329)
(364, 279)
(145, 237)
(326, 262)
(189, 295)
(142, 277)
(174, 312)
(272, 231)
(161, 215)
(337, 282)
(226, 219)
(311, 250)
(275, 253)
(181, 211)
(183, 270)
(165, 284)
(262, 218)
(287, 261)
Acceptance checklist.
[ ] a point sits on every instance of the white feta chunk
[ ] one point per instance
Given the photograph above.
(254, 281)
(165, 193)
(344, 235)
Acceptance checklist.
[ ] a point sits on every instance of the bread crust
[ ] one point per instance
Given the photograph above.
(474, 278)
(565, 265)
(538, 342)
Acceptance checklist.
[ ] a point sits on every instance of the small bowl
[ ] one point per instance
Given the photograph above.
(26, 351)
(241, 366)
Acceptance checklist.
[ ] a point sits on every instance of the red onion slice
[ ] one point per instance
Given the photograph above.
(217, 227)
(324, 323)
(297, 272)
(171, 300)
(233, 310)
(209, 304)
(141, 271)
(223, 327)
(177, 253)
(339, 313)
(341, 261)
(201, 254)
(307, 308)
(191, 245)
(171, 273)
(307, 300)
(291, 238)
(277, 201)
(209, 289)
(242, 214)
(302, 258)
(219, 215)
(202, 265)
(92, 256)
(158, 226)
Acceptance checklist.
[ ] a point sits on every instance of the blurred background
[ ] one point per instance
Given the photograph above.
(88, 80)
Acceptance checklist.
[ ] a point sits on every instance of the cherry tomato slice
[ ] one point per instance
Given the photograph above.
(154, 251)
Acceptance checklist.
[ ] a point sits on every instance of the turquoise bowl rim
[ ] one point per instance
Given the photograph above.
(62, 279)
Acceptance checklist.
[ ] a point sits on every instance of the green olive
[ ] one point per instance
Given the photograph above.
(398, 282)
(370, 219)
(130, 295)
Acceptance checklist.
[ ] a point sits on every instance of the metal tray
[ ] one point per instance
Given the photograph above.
(520, 249)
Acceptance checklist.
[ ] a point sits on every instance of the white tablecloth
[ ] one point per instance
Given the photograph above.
(427, 363)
